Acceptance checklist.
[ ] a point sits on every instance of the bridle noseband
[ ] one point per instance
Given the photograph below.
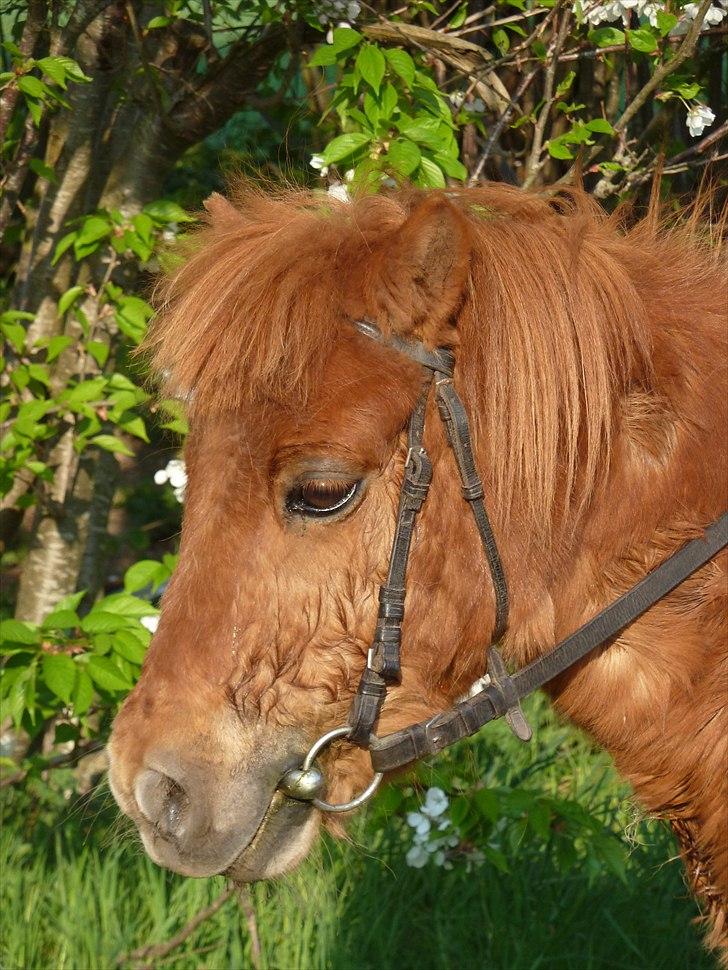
(502, 693)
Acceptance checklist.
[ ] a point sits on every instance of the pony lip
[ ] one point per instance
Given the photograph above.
(281, 841)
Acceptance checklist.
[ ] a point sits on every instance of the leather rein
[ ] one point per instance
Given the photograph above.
(502, 692)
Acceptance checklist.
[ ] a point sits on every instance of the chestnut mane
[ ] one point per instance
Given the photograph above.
(553, 329)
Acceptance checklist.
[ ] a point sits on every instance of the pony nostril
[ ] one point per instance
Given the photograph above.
(163, 802)
(174, 810)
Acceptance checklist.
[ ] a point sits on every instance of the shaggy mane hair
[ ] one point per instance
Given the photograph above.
(554, 328)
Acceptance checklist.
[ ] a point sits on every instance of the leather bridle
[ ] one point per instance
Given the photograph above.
(502, 692)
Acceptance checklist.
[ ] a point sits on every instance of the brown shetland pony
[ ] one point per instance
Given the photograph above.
(592, 360)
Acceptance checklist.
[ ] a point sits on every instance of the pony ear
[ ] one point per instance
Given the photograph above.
(418, 275)
(222, 212)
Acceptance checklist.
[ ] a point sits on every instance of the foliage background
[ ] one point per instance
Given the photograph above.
(117, 118)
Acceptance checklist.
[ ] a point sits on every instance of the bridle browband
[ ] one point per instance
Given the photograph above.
(502, 692)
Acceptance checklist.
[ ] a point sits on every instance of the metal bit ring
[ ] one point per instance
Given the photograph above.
(308, 762)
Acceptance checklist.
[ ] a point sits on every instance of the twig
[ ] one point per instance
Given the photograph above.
(146, 67)
(500, 125)
(31, 31)
(207, 19)
(681, 54)
(58, 761)
(534, 161)
(700, 146)
(246, 904)
(514, 18)
(684, 51)
(155, 951)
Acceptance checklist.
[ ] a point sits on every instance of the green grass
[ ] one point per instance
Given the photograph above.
(76, 890)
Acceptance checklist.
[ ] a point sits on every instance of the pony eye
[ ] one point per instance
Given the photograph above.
(321, 497)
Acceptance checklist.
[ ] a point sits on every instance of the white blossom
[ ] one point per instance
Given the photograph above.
(712, 18)
(436, 802)
(420, 823)
(417, 857)
(456, 99)
(317, 162)
(342, 12)
(175, 473)
(339, 191)
(150, 623)
(699, 118)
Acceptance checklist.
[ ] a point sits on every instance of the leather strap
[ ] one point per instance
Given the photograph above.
(440, 360)
(430, 736)
(383, 661)
(455, 419)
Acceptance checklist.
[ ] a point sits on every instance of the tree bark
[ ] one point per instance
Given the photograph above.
(112, 156)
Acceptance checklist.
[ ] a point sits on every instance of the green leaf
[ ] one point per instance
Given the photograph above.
(501, 40)
(110, 442)
(70, 602)
(38, 372)
(642, 40)
(665, 22)
(344, 145)
(85, 391)
(56, 346)
(459, 19)
(163, 211)
(36, 111)
(424, 130)
(402, 64)
(84, 694)
(371, 65)
(606, 36)
(686, 89)
(156, 22)
(487, 803)
(388, 100)
(135, 426)
(43, 171)
(106, 674)
(69, 298)
(16, 631)
(600, 125)
(344, 38)
(128, 646)
(371, 110)
(123, 604)
(141, 574)
(98, 621)
(61, 620)
(15, 333)
(496, 858)
(144, 226)
(565, 84)
(323, 56)
(430, 174)
(557, 149)
(59, 673)
(98, 350)
(451, 166)
(403, 156)
(62, 69)
(93, 228)
(64, 244)
(32, 86)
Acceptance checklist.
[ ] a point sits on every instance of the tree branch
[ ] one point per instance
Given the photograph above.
(225, 88)
(37, 11)
(681, 55)
(155, 951)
